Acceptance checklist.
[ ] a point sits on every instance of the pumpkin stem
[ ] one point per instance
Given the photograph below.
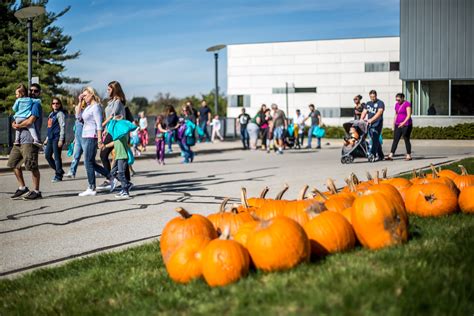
(421, 173)
(331, 186)
(413, 174)
(183, 212)
(355, 179)
(433, 171)
(225, 233)
(280, 194)
(369, 176)
(223, 204)
(350, 184)
(303, 191)
(384, 173)
(463, 170)
(234, 209)
(316, 192)
(243, 197)
(376, 180)
(264, 192)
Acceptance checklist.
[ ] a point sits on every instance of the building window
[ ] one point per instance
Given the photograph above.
(411, 94)
(462, 97)
(294, 90)
(376, 67)
(241, 100)
(434, 98)
(394, 66)
(347, 112)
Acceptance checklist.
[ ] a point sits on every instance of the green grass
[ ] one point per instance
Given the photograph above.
(433, 274)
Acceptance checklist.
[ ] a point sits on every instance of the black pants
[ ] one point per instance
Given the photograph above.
(404, 131)
(104, 157)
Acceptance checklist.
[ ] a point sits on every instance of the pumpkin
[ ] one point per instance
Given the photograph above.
(181, 228)
(347, 213)
(379, 220)
(466, 199)
(257, 202)
(401, 184)
(185, 264)
(232, 219)
(224, 261)
(303, 209)
(447, 173)
(464, 179)
(388, 190)
(245, 230)
(272, 208)
(329, 232)
(278, 244)
(245, 206)
(432, 199)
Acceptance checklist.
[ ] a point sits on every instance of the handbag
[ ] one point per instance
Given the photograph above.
(319, 132)
(70, 149)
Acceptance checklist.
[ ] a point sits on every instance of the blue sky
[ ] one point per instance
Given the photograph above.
(159, 46)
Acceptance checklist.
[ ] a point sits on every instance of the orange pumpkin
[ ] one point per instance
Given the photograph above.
(447, 173)
(181, 228)
(388, 190)
(432, 199)
(379, 220)
(257, 202)
(401, 184)
(464, 179)
(245, 230)
(272, 208)
(232, 219)
(224, 261)
(329, 232)
(347, 213)
(303, 209)
(185, 264)
(466, 200)
(278, 244)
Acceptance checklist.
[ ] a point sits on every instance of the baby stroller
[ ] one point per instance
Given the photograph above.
(359, 148)
(290, 138)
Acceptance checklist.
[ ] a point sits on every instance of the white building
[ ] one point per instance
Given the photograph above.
(327, 73)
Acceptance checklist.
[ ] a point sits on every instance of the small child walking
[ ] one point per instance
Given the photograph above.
(160, 131)
(216, 128)
(120, 165)
(135, 140)
(22, 109)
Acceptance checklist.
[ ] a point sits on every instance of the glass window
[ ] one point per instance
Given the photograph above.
(434, 98)
(376, 67)
(394, 66)
(462, 97)
(411, 94)
(239, 100)
(306, 90)
(347, 112)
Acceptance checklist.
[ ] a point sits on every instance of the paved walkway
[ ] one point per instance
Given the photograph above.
(63, 226)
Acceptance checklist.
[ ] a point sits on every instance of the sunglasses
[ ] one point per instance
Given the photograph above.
(34, 90)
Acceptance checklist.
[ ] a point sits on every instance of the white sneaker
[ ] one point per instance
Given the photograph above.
(122, 195)
(88, 192)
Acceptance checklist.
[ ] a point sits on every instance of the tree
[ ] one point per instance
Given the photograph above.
(138, 104)
(49, 53)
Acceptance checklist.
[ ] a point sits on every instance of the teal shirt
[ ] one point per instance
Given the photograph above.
(121, 148)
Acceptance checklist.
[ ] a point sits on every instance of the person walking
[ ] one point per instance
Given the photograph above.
(160, 130)
(203, 120)
(143, 132)
(261, 120)
(55, 139)
(115, 109)
(358, 107)
(26, 152)
(373, 110)
(92, 139)
(216, 129)
(186, 136)
(300, 122)
(242, 122)
(77, 152)
(316, 121)
(171, 122)
(280, 124)
(402, 126)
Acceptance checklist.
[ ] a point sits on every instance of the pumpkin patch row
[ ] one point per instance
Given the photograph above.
(278, 234)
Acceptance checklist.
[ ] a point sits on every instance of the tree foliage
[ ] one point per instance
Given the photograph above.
(49, 52)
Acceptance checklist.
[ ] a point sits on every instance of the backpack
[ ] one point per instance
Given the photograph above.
(128, 114)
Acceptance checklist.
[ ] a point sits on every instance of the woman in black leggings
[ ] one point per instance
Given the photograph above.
(403, 126)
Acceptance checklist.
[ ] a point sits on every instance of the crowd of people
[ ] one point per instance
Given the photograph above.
(119, 137)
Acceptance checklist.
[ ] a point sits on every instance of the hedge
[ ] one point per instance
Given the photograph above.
(460, 131)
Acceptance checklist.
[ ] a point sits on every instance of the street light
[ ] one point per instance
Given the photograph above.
(216, 49)
(29, 13)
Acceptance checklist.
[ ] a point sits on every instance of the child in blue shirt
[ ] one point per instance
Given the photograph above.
(22, 109)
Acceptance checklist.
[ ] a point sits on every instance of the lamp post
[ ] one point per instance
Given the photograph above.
(29, 13)
(215, 50)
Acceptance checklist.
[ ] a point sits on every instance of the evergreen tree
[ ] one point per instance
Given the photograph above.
(49, 53)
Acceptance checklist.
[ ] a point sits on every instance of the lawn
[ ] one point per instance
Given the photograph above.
(433, 274)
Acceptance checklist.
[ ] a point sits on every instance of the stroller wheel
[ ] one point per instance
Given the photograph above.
(343, 160)
(371, 158)
(351, 159)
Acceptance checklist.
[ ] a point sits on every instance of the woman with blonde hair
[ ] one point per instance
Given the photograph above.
(114, 110)
(91, 138)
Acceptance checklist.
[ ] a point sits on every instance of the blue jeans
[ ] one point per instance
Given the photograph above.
(310, 136)
(77, 148)
(244, 136)
(89, 145)
(203, 126)
(119, 171)
(374, 134)
(55, 163)
(169, 138)
(188, 153)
